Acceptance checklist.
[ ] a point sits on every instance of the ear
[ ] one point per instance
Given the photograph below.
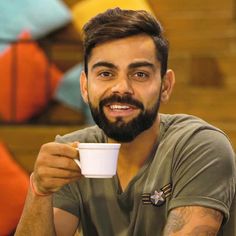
(84, 86)
(167, 86)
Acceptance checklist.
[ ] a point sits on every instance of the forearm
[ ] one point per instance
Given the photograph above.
(54, 168)
(37, 217)
(193, 220)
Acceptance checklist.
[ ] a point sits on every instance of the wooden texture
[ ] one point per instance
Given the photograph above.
(202, 37)
(24, 141)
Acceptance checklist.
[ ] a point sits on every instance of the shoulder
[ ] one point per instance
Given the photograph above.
(182, 128)
(91, 134)
(191, 138)
(184, 121)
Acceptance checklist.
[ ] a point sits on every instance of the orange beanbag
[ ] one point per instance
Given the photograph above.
(13, 184)
(27, 81)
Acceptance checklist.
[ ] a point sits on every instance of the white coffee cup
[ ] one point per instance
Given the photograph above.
(98, 160)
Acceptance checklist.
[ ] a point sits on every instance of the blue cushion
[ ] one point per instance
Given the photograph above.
(68, 92)
(39, 17)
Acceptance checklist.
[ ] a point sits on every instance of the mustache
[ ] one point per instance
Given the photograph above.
(127, 99)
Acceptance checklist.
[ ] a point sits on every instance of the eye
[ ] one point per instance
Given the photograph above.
(105, 74)
(140, 76)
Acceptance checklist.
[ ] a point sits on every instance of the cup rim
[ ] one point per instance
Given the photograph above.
(99, 145)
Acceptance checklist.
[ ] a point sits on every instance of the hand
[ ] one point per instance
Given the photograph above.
(55, 167)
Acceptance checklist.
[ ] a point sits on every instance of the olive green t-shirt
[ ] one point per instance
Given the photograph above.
(193, 163)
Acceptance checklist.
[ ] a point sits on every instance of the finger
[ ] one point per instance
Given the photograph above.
(62, 162)
(64, 174)
(59, 149)
(74, 144)
(43, 175)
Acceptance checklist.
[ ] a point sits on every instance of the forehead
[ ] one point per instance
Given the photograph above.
(125, 51)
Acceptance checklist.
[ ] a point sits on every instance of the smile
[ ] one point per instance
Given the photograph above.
(119, 107)
(120, 110)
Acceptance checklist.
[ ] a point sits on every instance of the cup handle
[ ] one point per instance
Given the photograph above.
(77, 162)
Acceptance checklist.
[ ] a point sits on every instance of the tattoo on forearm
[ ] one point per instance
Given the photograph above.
(183, 221)
(178, 219)
(203, 230)
(216, 215)
(175, 224)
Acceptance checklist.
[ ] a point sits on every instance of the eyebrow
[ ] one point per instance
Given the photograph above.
(141, 64)
(131, 66)
(104, 64)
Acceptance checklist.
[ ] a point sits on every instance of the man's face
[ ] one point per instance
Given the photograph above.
(123, 87)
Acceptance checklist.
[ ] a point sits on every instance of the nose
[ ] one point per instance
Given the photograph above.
(122, 86)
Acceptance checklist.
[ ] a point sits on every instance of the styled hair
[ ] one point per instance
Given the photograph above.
(118, 23)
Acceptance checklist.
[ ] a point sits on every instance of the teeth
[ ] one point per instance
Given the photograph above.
(119, 107)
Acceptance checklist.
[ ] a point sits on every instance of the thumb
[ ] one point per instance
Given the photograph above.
(74, 144)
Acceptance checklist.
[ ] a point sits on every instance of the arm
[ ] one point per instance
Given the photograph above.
(53, 169)
(37, 216)
(203, 177)
(193, 221)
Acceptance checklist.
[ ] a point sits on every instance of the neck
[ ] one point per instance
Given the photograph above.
(142, 144)
(132, 155)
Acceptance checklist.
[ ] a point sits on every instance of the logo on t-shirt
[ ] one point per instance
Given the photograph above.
(157, 198)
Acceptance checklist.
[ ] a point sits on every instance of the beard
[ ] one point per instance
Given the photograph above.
(120, 130)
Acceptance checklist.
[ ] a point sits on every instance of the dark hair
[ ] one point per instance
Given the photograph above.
(117, 23)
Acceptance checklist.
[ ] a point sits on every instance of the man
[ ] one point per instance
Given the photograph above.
(176, 173)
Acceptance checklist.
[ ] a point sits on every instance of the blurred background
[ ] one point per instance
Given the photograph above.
(41, 60)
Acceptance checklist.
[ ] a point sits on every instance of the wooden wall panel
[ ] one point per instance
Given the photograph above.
(196, 30)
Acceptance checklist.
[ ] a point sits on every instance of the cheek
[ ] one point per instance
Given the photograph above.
(93, 97)
(150, 97)
(95, 93)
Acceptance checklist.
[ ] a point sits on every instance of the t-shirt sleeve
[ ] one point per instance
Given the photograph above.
(67, 199)
(204, 172)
